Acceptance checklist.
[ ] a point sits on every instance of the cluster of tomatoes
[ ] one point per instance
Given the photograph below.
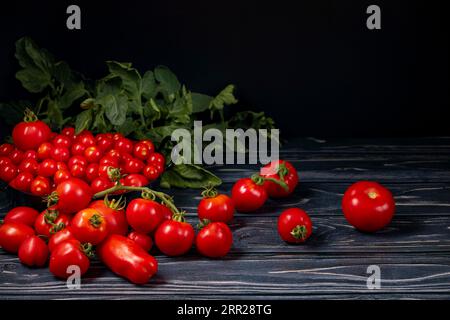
(40, 159)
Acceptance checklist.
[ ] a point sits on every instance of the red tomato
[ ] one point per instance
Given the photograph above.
(143, 240)
(61, 175)
(8, 171)
(149, 144)
(92, 154)
(29, 165)
(127, 259)
(77, 149)
(282, 169)
(4, 161)
(144, 215)
(67, 254)
(77, 160)
(166, 212)
(368, 206)
(24, 215)
(104, 143)
(22, 181)
(214, 240)
(50, 221)
(16, 156)
(59, 237)
(124, 145)
(69, 132)
(40, 186)
(62, 141)
(30, 154)
(135, 180)
(45, 151)
(92, 172)
(219, 208)
(174, 238)
(100, 184)
(33, 252)
(109, 161)
(47, 168)
(78, 171)
(73, 195)
(60, 154)
(156, 159)
(29, 135)
(117, 136)
(115, 217)
(141, 150)
(12, 235)
(6, 149)
(114, 154)
(61, 166)
(89, 225)
(134, 166)
(151, 172)
(294, 225)
(247, 195)
(86, 138)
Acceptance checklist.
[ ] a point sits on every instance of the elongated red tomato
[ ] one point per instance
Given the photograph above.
(73, 195)
(22, 181)
(214, 240)
(247, 195)
(33, 252)
(114, 216)
(89, 225)
(22, 214)
(13, 234)
(66, 255)
(280, 170)
(144, 215)
(127, 259)
(29, 134)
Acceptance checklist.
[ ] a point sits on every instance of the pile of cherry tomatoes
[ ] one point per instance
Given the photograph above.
(40, 159)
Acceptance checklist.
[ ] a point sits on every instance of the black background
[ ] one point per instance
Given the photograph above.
(312, 65)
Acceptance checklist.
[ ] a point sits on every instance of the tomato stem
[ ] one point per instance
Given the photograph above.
(29, 116)
(259, 180)
(209, 192)
(299, 232)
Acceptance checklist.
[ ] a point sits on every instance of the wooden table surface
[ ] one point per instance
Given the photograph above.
(413, 253)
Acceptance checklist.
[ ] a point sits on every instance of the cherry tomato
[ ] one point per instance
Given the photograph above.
(40, 186)
(214, 240)
(47, 168)
(22, 181)
(101, 184)
(61, 166)
(149, 144)
(45, 150)
(29, 135)
(62, 141)
(16, 156)
(166, 212)
(124, 145)
(92, 154)
(78, 171)
(247, 195)
(280, 169)
(89, 225)
(8, 171)
(61, 175)
(69, 132)
(60, 154)
(114, 216)
(174, 238)
(141, 151)
(114, 154)
(77, 160)
(134, 166)
(86, 138)
(50, 221)
(117, 136)
(294, 225)
(156, 159)
(109, 161)
(73, 195)
(12, 235)
(144, 215)
(127, 259)
(368, 206)
(65, 255)
(30, 154)
(103, 171)
(135, 180)
(29, 165)
(92, 172)
(33, 252)
(60, 236)
(77, 149)
(104, 143)
(151, 172)
(216, 208)
(5, 161)
(22, 214)
(6, 149)
(143, 240)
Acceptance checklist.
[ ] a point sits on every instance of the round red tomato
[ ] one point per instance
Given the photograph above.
(92, 172)
(40, 186)
(89, 225)
(144, 215)
(30, 154)
(60, 176)
(33, 252)
(157, 160)
(282, 171)
(143, 240)
(65, 255)
(62, 141)
(134, 166)
(73, 195)
(124, 145)
(22, 214)
(218, 208)
(214, 240)
(16, 156)
(86, 138)
(6, 149)
(8, 171)
(60, 154)
(78, 171)
(141, 150)
(45, 151)
(5, 160)
(100, 184)
(12, 235)
(114, 216)
(77, 160)
(50, 221)
(69, 132)
(294, 225)
(77, 149)
(92, 154)
(47, 168)
(104, 142)
(29, 165)
(135, 180)
(174, 238)
(115, 155)
(368, 206)
(151, 172)
(29, 135)
(22, 181)
(247, 195)
(59, 237)
(149, 144)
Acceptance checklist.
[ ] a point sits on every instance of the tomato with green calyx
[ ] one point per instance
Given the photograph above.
(249, 194)
(294, 225)
(215, 207)
(29, 134)
(214, 239)
(59, 237)
(71, 195)
(279, 170)
(50, 221)
(68, 254)
(174, 237)
(113, 213)
(89, 225)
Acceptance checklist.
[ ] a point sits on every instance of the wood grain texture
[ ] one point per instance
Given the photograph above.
(413, 252)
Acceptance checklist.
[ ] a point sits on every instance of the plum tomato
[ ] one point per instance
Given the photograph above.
(13, 234)
(33, 252)
(22, 214)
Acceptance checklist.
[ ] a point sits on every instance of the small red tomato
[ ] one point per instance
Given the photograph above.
(135, 180)
(215, 207)
(60, 176)
(47, 168)
(24, 215)
(30, 154)
(77, 149)
(109, 161)
(6, 149)
(104, 143)
(144, 215)
(141, 151)
(60, 154)
(89, 225)
(166, 212)
(124, 145)
(45, 150)
(78, 171)
(294, 225)
(61, 166)
(214, 240)
(16, 156)
(8, 172)
(247, 195)
(86, 138)
(92, 154)
(5, 161)
(151, 172)
(29, 165)
(28, 135)
(113, 214)
(174, 237)
(59, 237)
(73, 195)
(134, 166)
(156, 159)
(50, 221)
(92, 172)
(22, 181)
(117, 136)
(77, 160)
(67, 254)
(69, 132)
(40, 186)
(368, 206)
(12, 235)
(149, 144)
(33, 252)
(143, 240)
(280, 170)
(62, 141)
(100, 184)
(114, 154)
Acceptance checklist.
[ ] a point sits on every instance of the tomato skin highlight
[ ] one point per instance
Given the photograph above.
(217, 209)
(89, 225)
(73, 195)
(144, 215)
(142, 239)
(294, 220)
(368, 206)
(247, 195)
(127, 259)
(65, 254)
(40, 186)
(33, 252)
(44, 151)
(214, 240)
(29, 135)
(174, 238)
(290, 178)
(115, 219)
(22, 214)
(12, 235)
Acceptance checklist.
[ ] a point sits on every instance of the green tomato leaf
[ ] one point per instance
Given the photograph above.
(168, 82)
(148, 85)
(225, 97)
(188, 176)
(83, 121)
(200, 102)
(115, 108)
(74, 93)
